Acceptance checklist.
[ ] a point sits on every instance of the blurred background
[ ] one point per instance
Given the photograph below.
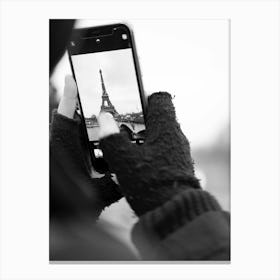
(190, 60)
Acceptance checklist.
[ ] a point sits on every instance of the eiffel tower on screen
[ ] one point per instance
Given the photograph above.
(106, 105)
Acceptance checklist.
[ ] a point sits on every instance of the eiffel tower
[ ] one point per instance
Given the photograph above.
(106, 106)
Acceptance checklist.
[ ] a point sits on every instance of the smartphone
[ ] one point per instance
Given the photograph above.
(107, 73)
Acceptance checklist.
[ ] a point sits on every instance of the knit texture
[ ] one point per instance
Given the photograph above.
(162, 167)
(157, 225)
(72, 189)
(182, 209)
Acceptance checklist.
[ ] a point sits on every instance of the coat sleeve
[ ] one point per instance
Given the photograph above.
(191, 226)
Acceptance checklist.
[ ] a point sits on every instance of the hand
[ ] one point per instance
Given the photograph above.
(150, 174)
(73, 188)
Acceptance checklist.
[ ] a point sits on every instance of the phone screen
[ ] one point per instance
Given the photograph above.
(107, 82)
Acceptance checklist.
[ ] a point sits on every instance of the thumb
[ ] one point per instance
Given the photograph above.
(117, 150)
(68, 102)
(108, 125)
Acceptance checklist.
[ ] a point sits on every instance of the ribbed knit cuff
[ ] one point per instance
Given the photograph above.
(163, 221)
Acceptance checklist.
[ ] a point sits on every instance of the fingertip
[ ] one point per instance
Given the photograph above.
(70, 88)
(103, 116)
(160, 103)
(161, 115)
(161, 95)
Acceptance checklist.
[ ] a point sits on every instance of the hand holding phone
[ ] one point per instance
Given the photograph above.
(150, 175)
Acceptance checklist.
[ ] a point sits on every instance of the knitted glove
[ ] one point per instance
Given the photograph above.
(72, 189)
(151, 174)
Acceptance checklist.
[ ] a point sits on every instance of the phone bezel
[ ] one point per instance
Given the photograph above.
(102, 30)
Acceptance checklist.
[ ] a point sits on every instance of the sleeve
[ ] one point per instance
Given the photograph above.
(191, 226)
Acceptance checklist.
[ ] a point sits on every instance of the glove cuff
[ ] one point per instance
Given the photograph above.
(156, 225)
(182, 209)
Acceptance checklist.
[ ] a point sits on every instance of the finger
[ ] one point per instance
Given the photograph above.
(164, 134)
(161, 117)
(68, 102)
(107, 125)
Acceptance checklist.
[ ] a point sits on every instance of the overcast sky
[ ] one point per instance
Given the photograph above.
(190, 59)
(119, 78)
